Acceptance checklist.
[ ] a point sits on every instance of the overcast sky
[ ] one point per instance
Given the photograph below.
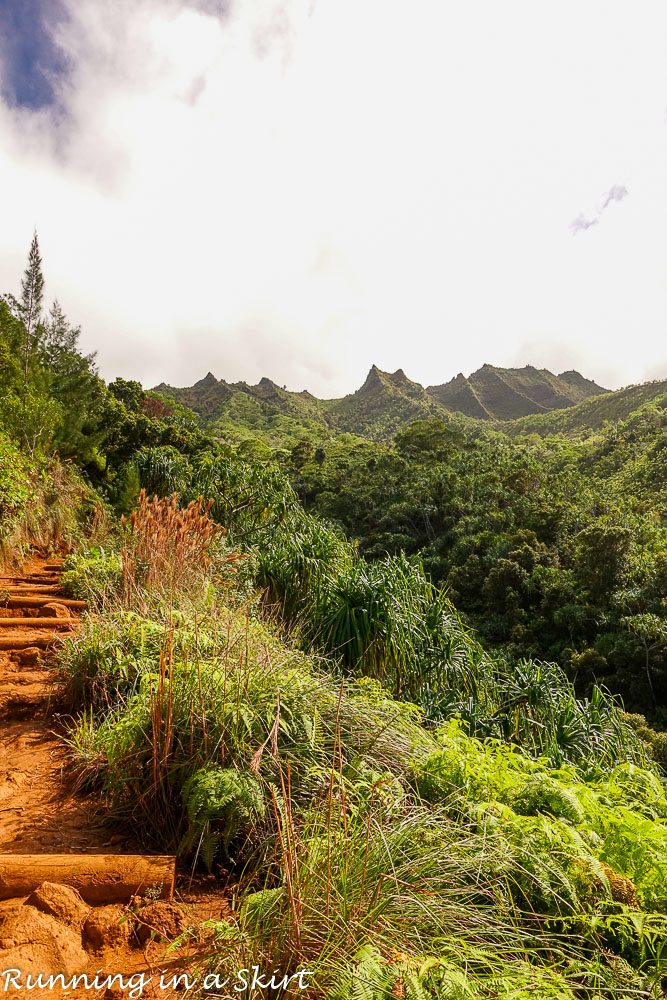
(299, 188)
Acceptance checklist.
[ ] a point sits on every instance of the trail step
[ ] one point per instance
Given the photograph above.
(25, 693)
(40, 640)
(30, 577)
(35, 588)
(100, 878)
(39, 602)
(50, 622)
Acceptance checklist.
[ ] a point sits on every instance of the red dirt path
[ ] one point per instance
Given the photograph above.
(40, 810)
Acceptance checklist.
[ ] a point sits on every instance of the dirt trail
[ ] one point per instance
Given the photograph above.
(41, 812)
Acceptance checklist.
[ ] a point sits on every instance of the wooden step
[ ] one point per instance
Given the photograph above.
(40, 602)
(51, 622)
(29, 577)
(40, 640)
(35, 588)
(100, 878)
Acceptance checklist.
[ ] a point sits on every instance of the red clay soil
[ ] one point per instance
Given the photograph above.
(42, 813)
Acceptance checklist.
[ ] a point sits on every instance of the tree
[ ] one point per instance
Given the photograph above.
(32, 293)
(59, 334)
(11, 340)
(651, 631)
(601, 557)
(129, 392)
(426, 440)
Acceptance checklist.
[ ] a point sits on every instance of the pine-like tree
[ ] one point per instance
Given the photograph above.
(32, 294)
(59, 335)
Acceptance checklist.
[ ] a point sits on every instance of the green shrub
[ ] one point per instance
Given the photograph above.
(93, 575)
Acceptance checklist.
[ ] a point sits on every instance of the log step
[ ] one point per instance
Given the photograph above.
(40, 602)
(40, 640)
(100, 878)
(36, 577)
(52, 622)
(35, 588)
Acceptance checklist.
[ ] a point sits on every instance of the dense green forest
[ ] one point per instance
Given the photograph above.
(552, 547)
(546, 531)
(374, 663)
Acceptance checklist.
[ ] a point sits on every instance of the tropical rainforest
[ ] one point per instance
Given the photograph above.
(397, 663)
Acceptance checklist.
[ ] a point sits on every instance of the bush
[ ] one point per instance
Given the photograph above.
(94, 575)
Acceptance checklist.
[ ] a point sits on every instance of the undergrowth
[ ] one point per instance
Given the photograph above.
(44, 505)
(391, 855)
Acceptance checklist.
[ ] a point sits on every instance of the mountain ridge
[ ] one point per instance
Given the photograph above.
(385, 402)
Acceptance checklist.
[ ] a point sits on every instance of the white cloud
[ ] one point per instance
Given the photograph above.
(272, 188)
(617, 192)
(581, 224)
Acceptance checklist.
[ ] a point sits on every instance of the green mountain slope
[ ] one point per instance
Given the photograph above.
(243, 411)
(382, 406)
(591, 414)
(385, 403)
(507, 393)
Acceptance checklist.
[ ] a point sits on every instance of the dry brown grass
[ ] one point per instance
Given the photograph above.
(172, 549)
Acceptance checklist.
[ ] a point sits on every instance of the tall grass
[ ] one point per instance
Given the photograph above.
(171, 700)
(391, 856)
(387, 621)
(171, 550)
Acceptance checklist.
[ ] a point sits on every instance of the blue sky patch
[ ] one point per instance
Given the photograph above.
(30, 62)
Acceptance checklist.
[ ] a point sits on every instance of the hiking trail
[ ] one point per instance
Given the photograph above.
(42, 813)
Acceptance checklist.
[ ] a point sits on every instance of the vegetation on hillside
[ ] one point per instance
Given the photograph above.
(554, 549)
(385, 403)
(507, 393)
(336, 676)
(387, 856)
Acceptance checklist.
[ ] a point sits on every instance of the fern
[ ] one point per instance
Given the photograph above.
(540, 793)
(219, 803)
(368, 979)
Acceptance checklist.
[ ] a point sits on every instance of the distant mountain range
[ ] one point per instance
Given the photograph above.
(519, 398)
(507, 393)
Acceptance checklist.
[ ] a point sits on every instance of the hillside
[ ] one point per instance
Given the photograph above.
(357, 776)
(383, 405)
(506, 393)
(593, 413)
(243, 411)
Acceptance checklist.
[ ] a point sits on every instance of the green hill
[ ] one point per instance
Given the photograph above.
(382, 406)
(385, 403)
(373, 689)
(507, 393)
(242, 411)
(591, 414)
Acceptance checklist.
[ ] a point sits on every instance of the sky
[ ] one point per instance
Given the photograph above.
(300, 188)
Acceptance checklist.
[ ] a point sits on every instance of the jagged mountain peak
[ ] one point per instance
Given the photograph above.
(389, 401)
(375, 377)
